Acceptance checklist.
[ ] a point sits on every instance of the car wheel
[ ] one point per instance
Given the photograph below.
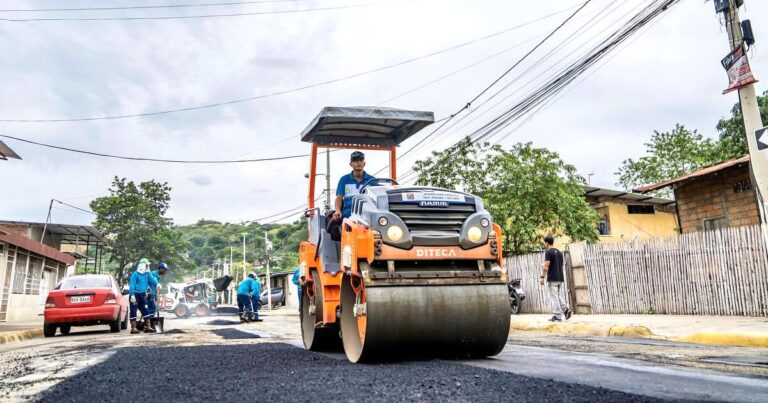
(114, 326)
(181, 311)
(49, 330)
(65, 329)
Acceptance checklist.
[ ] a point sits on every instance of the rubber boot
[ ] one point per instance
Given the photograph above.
(148, 327)
(133, 327)
(152, 325)
(242, 318)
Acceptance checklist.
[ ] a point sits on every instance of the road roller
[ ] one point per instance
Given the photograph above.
(413, 271)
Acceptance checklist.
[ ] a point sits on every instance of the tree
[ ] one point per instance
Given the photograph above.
(733, 140)
(669, 155)
(132, 219)
(530, 192)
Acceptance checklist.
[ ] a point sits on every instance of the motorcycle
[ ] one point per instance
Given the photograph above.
(516, 295)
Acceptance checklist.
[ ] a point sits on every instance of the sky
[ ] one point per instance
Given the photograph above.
(668, 73)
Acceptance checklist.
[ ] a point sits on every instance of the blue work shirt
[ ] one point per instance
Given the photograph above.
(246, 287)
(156, 276)
(140, 283)
(349, 187)
(297, 277)
(256, 289)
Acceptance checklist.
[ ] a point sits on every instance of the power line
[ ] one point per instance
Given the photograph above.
(123, 157)
(74, 207)
(199, 16)
(295, 89)
(231, 3)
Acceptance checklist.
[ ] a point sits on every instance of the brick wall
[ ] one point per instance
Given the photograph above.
(715, 196)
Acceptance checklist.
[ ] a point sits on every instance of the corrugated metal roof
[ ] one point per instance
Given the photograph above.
(620, 194)
(701, 172)
(69, 234)
(36, 247)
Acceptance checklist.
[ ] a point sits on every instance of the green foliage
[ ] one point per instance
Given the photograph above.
(132, 218)
(529, 191)
(733, 140)
(669, 155)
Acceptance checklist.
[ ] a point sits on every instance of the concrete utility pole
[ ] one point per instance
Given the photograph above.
(269, 277)
(244, 234)
(751, 114)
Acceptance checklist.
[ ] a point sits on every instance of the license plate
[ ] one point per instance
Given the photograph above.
(80, 300)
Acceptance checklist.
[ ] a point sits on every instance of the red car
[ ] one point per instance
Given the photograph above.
(86, 300)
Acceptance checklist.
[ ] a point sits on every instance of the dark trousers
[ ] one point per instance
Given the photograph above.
(141, 305)
(151, 306)
(244, 304)
(256, 304)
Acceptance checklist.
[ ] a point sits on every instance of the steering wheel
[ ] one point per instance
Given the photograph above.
(368, 182)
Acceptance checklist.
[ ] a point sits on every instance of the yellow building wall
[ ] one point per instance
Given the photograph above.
(625, 226)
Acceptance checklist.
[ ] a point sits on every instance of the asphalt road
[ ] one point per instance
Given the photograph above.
(281, 372)
(202, 359)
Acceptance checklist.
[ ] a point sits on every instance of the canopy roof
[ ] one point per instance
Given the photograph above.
(6, 152)
(620, 194)
(365, 126)
(68, 234)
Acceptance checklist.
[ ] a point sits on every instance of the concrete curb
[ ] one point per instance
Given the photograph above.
(9, 337)
(580, 329)
(743, 339)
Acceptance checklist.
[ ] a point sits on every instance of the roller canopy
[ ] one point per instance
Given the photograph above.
(365, 126)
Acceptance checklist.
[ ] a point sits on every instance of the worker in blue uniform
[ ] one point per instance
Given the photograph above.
(297, 280)
(244, 290)
(162, 268)
(140, 284)
(255, 299)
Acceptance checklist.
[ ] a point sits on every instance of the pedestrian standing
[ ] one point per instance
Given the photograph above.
(297, 281)
(255, 298)
(244, 290)
(552, 272)
(139, 285)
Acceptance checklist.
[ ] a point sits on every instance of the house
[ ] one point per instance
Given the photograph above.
(717, 196)
(625, 216)
(284, 281)
(32, 263)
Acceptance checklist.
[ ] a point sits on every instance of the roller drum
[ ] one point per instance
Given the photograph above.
(432, 320)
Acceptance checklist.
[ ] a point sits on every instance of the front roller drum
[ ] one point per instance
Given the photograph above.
(315, 337)
(391, 322)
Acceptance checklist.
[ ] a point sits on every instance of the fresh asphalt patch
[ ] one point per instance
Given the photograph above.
(280, 372)
(234, 334)
(222, 322)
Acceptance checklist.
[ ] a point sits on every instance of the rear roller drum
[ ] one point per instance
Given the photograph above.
(390, 322)
(317, 339)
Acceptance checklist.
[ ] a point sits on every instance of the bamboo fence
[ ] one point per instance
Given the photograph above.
(722, 272)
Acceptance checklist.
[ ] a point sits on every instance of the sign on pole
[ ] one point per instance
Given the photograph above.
(737, 67)
(761, 136)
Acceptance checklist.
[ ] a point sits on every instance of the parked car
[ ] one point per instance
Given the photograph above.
(278, 297)
(85, 300)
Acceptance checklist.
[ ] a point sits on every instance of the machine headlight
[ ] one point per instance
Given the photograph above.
(484, 222)
(395, 233)
(475, 234)
(383, 221)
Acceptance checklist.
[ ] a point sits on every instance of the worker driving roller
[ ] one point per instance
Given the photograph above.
(349, 185)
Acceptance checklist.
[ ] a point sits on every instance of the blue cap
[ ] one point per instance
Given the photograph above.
(163, 266)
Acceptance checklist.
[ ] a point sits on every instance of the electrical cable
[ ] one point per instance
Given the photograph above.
(230, 3)
(200, 16)
(295, 89)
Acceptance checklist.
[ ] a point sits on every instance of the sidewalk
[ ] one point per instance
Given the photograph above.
(10, 332)
(723, 330)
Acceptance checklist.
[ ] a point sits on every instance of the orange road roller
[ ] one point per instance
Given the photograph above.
(413, 271)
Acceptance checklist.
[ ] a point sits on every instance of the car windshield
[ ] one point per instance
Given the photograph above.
(71, 283)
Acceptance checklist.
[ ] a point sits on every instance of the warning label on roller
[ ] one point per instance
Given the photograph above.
(433, 197)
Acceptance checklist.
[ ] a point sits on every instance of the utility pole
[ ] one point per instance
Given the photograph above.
(269, 276)
(327, 179)
(244, 234)
(750, 112)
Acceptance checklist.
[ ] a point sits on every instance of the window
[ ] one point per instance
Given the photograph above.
(20, 272)
(71, 283)
(743, 186)
(712, 224)
(640, 209)
(34, 275)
